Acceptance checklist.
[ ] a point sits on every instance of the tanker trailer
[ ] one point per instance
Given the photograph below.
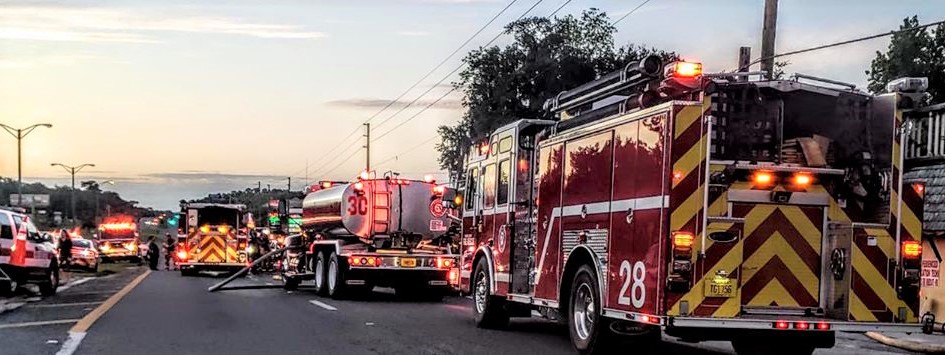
(375, 232)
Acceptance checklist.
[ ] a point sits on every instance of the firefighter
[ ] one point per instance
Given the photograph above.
(169, 246)
(153, 253)
(65, 248)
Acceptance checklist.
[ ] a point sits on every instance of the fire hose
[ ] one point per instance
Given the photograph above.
(246, 269)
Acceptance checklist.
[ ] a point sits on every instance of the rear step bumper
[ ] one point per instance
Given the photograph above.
(768, 324)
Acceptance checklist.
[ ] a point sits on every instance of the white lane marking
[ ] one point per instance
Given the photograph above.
(6, 307)
(74, 304)
(36, 324)
(323, 305)
(71, 344)
(269, 283)
(74, 283)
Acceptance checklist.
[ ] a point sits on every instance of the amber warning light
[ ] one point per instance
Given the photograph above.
(911, 249)
(686, 69)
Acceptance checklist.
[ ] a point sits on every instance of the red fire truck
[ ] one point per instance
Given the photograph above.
(118, 239)
(387, 232)
(770, 213)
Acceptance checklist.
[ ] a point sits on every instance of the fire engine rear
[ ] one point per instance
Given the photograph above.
(118, 239)
(214, 239)
(769, 213)
(386, 232)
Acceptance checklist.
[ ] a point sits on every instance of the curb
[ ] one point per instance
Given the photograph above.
(907, 345)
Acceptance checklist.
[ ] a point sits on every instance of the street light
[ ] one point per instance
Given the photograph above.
(72, 170)
(19, 134)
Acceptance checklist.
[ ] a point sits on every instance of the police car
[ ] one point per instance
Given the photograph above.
(26, 255)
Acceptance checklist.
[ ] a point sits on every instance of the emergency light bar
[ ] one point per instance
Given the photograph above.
(117, 226)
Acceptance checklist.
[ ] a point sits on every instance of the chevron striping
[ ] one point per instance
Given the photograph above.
(773, 272)
(687, 117)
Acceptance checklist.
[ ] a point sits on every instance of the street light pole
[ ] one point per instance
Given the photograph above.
(19, 134)
(72, 170)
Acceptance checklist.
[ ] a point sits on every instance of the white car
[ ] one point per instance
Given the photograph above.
(26, 256)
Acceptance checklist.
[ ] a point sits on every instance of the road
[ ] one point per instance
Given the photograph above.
(166, 313)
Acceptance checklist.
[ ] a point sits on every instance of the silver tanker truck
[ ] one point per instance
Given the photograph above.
(375, 232)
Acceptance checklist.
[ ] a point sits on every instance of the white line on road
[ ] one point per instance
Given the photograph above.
(71, 344)
(323, 305)
(74, 283)
(74, 304)
(6, 307)
(34, 324)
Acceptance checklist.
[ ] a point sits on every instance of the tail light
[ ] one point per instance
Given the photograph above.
(682, 243)
(911, 249)
(782, 324)
(680, 277)
(823, 326)
(919, 188)
(370, 261)
(763, 178)
(223, 229)
(454, 277)
(182, 255)
(444, 263)
(801, 325)
(803, 180)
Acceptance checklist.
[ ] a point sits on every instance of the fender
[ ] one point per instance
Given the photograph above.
(597, 268)
(486, 251)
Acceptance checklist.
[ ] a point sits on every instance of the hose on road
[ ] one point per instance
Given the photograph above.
(924, 348)
(244, 270)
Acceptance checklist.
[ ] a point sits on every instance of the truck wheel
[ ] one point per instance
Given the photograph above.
(590, 332)
(8, 287)
(48, 287)
(319, 269)
(488, 311)
(336, 277)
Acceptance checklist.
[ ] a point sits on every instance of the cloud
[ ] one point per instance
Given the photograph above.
(92, 24)
(413, 33)
(363, 103)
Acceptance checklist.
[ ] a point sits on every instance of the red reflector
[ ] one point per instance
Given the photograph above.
(802, 325)
(911, 249)
(823, 326)
(781, 324)
(351, 260)
(919, 188)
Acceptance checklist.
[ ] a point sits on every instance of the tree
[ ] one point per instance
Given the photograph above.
(547, 56)
(919, 53)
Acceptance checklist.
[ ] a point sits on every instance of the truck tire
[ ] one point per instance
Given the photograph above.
(488, 311)
(590, 332)
(336, 277)
(319, 267)
(49, 286)
(8, 287)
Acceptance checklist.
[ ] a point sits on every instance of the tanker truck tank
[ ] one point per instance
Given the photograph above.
(377, 209)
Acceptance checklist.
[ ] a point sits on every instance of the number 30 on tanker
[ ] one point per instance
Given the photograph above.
(770, 213)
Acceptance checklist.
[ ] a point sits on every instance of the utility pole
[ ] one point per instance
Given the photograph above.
(744, 57)
(72, 170)
(367, 147)
(290, 185)
(268, 187)
(767, 37)
(19, 134)
(258, 187)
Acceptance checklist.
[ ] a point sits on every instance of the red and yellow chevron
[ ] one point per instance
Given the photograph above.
(212, 249)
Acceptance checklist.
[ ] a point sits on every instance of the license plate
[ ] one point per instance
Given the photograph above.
(720, 288)
(408, 262)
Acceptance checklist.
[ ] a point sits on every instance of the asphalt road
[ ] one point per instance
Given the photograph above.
(170, 314)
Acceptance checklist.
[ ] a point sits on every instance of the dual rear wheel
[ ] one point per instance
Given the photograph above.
(330, 275)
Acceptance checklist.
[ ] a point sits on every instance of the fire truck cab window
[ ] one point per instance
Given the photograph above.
(502, 196)
(505, 144)
(472, 187)
(6, 228)
(488, 186)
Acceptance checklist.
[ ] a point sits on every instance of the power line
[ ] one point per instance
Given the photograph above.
(630, 13)
(444, 79)
(860, 39)
(342, 162)
(425, 76)
(395, 156)
(553, 13)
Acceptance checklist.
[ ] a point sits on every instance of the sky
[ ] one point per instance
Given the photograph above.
(177, 99)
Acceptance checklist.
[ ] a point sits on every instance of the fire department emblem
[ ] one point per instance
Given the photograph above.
(437, 209)
(501, 238)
